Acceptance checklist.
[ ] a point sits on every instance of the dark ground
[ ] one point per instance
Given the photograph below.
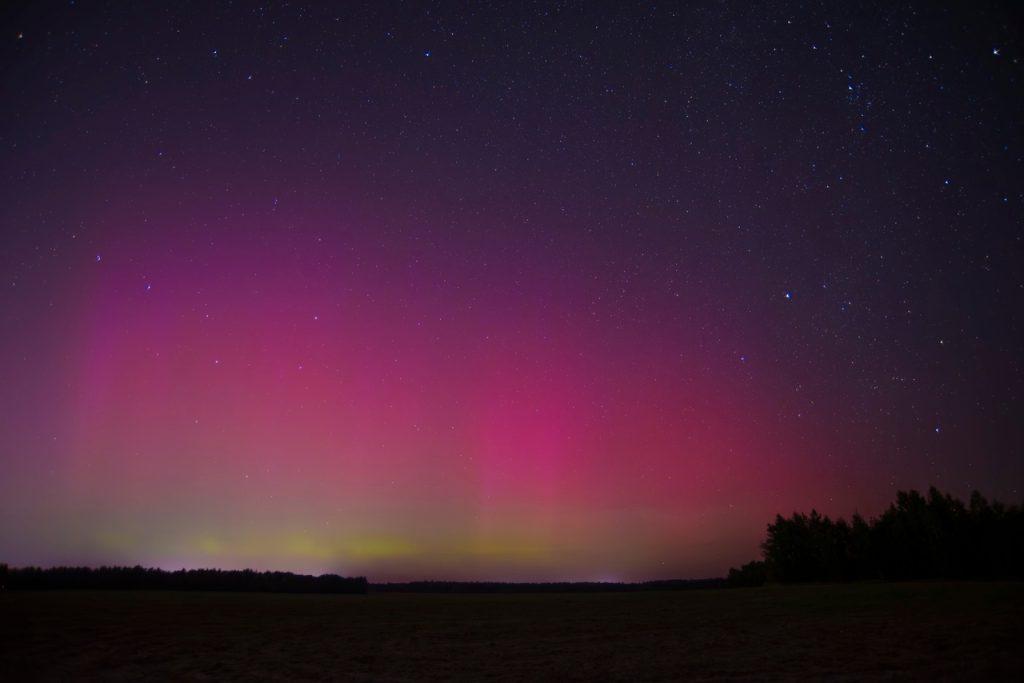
(963, 631)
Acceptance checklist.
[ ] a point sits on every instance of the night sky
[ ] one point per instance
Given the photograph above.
(538, 291)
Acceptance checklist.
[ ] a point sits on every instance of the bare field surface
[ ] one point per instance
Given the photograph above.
(948, 631)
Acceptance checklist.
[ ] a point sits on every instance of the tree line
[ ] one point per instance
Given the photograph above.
(144, 578)
(918, 537)
(543, 586)
(933, 536)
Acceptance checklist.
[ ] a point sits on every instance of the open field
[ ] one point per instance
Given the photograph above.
(850, 632)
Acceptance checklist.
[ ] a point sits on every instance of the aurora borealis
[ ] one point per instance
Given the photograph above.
(557, 291)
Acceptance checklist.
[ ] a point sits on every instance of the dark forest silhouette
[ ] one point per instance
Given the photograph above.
(143, 578)
(918, 537)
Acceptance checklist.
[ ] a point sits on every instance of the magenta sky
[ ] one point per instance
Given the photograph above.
(424, 296)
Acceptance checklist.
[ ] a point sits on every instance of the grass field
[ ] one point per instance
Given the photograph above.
(848, 632)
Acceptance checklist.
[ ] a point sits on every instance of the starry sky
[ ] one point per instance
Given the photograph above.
(535, 291)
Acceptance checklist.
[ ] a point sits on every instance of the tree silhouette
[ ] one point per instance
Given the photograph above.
(917, 537)
(142, 578)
